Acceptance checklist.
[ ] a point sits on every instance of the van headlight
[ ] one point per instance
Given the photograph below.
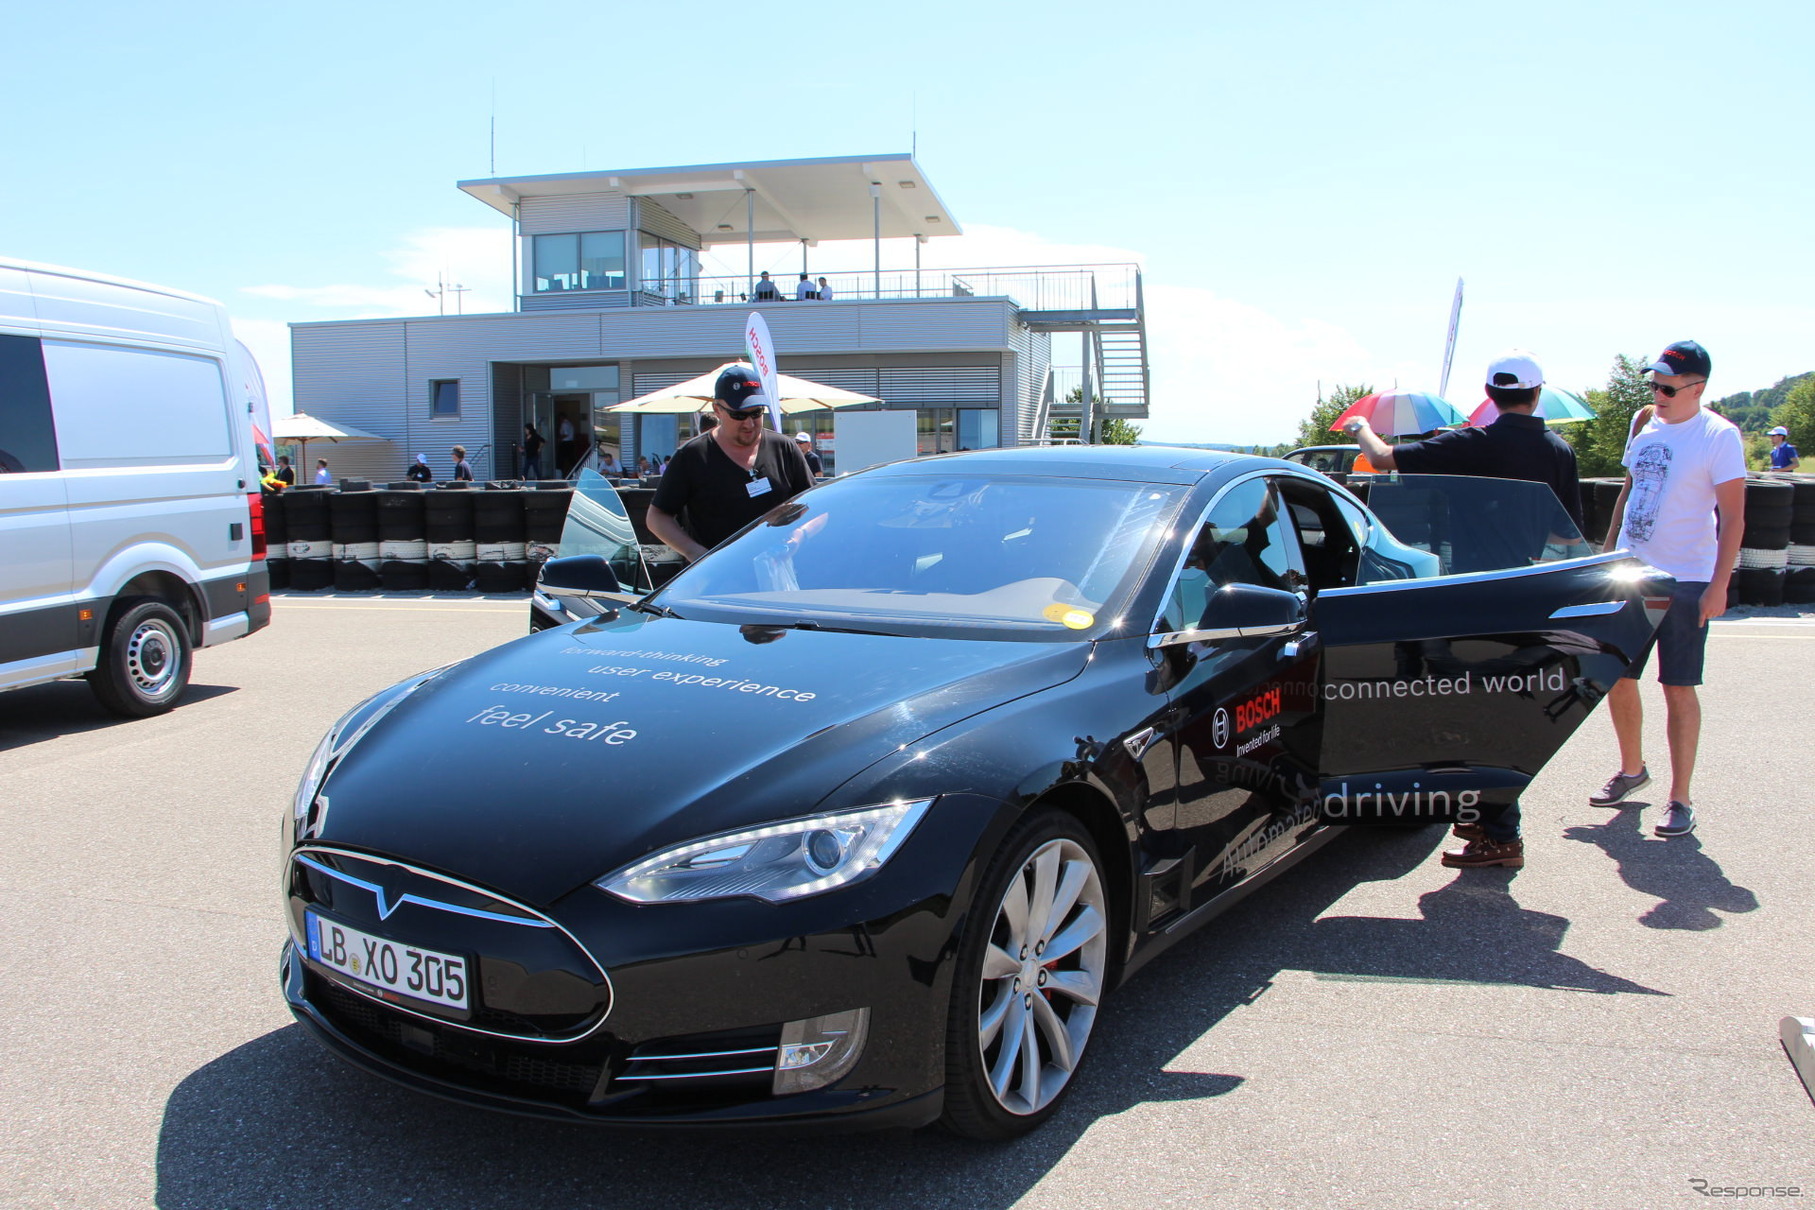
(776, 862)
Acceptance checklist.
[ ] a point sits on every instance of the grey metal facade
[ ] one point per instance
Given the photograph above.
(376, 374)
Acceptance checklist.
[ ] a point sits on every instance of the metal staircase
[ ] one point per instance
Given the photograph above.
(1115, 366)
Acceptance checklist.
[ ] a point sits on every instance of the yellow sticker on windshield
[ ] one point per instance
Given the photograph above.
(1069, 616)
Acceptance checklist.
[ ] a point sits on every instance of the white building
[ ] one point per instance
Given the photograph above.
(611, 304)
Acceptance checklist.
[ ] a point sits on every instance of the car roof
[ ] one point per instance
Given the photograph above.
(1143, 463)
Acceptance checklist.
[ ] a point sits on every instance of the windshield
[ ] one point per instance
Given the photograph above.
(954, 555)
(598, 525)
(1473, 524)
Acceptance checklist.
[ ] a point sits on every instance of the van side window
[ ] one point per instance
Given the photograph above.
(136, 407)
(28, 432)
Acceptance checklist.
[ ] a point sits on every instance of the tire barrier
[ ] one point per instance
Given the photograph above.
(1776, 563)
(451, 538)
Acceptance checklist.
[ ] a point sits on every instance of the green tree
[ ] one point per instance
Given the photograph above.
(1315, 428)
(1797, 413)
(1117, 431)
(1600, 443)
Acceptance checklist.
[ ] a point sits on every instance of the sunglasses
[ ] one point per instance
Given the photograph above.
(1669, 392)
(742, 413)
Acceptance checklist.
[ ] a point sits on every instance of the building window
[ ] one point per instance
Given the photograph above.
(588, 260)
(669, 271)
(444, 399)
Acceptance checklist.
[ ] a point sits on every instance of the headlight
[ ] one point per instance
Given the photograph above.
(776, 862)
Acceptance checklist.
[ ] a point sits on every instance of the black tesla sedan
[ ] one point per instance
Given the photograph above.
(859, 818)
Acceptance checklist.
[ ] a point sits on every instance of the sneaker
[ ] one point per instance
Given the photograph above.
(1619, 786)
(1485, 852)
(1678, 820)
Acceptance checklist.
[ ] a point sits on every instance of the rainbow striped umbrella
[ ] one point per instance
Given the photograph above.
(1401, 413)
(1555, 406)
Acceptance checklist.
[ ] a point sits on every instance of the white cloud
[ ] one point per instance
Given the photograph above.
(1226, 371)
(477, 258)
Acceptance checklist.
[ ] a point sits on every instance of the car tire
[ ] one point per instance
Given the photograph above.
(993, 1092)
(145, 658)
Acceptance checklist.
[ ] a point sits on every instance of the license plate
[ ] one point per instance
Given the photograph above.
(389, 966)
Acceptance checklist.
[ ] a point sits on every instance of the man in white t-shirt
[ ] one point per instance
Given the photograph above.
(1682, 510)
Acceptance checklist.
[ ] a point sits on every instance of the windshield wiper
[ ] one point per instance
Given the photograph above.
(650, 607)
(893, 634)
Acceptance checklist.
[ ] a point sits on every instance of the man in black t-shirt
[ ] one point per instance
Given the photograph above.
(1516, 446)
(725, 478)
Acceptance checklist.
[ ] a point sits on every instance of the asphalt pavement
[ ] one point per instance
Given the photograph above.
(1597, 1030)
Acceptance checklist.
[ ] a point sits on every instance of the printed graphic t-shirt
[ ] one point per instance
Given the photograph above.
(1675, 468)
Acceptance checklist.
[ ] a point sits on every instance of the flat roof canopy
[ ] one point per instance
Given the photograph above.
(814, 200)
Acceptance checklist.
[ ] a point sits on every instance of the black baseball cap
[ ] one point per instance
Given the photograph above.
(1685, 358)
(739, 388)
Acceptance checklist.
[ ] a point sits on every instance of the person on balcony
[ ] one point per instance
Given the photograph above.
(766, 290)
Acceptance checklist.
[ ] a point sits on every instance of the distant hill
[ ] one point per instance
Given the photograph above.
(1751, 410)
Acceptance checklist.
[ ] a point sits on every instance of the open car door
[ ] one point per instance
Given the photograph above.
(1476, 632)
(597, 524)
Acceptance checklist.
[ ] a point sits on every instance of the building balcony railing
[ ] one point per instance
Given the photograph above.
(1036, 288)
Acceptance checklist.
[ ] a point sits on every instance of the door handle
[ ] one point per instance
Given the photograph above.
(1294, 648)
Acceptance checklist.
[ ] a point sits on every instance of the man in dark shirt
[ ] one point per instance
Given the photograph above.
(727, 477)
(1516, 446)
(805, 441)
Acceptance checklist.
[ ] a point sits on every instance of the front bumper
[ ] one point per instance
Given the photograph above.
(610, 1012)
(575, 1087)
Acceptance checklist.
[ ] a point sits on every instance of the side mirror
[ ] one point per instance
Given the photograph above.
(579, 576)
(1247, 610)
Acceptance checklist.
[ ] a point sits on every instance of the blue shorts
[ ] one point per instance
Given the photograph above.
(1681, 639)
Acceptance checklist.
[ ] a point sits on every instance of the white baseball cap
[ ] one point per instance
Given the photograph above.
(804, 437)
(1520, 368)
(1779, 431)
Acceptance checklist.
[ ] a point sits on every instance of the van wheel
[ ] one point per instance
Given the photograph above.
(145, 658)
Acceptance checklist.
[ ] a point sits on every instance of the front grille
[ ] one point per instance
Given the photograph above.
(464, 1058)
(530, 978)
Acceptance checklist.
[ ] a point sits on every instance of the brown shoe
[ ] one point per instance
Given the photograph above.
(1485, 852)
(1468, 831)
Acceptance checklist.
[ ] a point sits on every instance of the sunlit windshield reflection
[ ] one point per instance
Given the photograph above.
(1010, 557)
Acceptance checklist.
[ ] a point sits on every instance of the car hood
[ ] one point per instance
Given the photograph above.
(542, 764)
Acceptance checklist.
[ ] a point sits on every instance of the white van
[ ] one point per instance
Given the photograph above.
(131, 528)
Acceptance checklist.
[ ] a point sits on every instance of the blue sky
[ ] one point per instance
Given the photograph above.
(1303, 183)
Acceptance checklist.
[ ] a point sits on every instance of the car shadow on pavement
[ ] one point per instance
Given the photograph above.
(30, 716)
(278, 1122)
(1689, 885)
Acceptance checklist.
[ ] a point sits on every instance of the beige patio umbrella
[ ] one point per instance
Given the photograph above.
(303, 428)
(797, 395)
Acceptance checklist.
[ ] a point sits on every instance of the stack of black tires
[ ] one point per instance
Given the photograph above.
(311, 548)
(1777, 557)
(1598, 498)
(544, 515)
(457, 536)
(277, 539)
(1799, 583)
(448, 526)
(498, 528)
(403, 545)
(353, 526)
